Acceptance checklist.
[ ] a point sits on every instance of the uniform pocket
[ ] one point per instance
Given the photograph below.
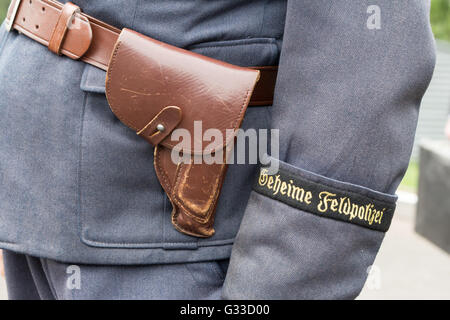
(121, 201)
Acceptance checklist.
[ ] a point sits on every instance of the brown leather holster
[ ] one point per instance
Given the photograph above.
(155, 88)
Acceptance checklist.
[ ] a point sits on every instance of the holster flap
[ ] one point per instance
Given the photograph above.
(145, 76)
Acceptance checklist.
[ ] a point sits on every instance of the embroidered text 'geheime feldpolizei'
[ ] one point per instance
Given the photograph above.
(325, 200)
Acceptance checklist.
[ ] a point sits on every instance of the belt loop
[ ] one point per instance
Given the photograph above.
(68, 12)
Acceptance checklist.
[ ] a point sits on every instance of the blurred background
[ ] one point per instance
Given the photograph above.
(414, 261)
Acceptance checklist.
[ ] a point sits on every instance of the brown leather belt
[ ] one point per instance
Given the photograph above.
(92, 40)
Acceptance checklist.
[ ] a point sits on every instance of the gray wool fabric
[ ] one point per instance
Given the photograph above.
(77, 186)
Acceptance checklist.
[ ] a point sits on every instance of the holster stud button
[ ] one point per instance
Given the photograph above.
(160, 127)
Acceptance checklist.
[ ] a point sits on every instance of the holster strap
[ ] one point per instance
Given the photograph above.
(161, 125)
(91, 40)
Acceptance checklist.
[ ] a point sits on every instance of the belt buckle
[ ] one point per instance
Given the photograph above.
(9, 22)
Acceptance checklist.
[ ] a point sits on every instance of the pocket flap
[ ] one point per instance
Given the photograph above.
(145, 76)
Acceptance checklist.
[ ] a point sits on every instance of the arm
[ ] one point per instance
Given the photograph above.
(346, 105)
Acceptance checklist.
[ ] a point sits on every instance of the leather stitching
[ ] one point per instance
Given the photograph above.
(108, 88)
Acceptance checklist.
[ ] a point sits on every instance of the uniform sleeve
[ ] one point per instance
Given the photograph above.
(351, 78)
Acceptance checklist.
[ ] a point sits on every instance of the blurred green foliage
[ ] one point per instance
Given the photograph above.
(411, 180)
(3, 7)
(440, 17)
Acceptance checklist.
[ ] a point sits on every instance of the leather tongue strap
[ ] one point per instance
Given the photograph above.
(161, 125)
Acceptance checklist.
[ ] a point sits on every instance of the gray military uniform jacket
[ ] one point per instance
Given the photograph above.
(78, 186)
